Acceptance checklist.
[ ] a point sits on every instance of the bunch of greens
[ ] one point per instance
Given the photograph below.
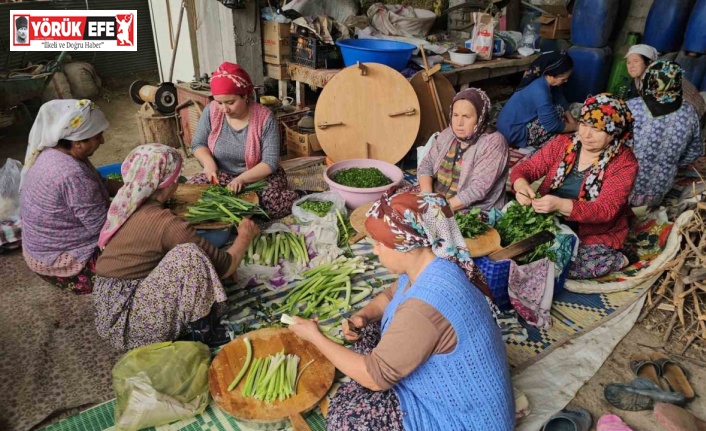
(362, 178)
(320, 208)
(344, 232)
(220, 204)
(520, 222)
(470, 224)
(268, 248)
(114, 177)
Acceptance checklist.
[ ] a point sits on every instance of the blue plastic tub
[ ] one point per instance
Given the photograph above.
(388, 52)
(217, 237)
(109, 169)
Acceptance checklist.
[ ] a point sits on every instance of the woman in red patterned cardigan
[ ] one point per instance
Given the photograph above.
(588, 177)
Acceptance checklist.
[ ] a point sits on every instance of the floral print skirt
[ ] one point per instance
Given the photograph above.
(595, 260)
(180, 290)
(537, 135)
(355, 407)
(81, 283)
(276, 200)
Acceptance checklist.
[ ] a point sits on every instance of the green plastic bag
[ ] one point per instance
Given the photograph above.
(160, 383)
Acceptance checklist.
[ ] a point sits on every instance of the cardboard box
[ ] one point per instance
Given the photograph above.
(301, 144)
(277, 71)
(275, 42)
(555, 22)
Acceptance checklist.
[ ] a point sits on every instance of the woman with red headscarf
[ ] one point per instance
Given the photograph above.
(237, 142)
(428, 354)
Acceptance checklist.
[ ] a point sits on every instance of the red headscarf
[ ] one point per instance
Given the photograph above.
(230, 79)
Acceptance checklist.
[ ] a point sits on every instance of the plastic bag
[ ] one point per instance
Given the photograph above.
(305, 217)
(10, 175)
(483, 35)
(529, 35)
(161, 383)
(423, 150)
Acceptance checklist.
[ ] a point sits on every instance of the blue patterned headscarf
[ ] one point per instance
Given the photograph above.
(662, 88)
(409, 220)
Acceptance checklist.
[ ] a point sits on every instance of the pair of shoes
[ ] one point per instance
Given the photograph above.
(640, 394)
(678, 419)
(207, 330)
(569, 419)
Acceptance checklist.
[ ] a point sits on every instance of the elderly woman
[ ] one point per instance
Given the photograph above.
(237, 142)
(167, 283)
(667, 133)
(468, 162)
(430, 355)
(538, 110)
(63, 200)
(639, 57)
(587, 180)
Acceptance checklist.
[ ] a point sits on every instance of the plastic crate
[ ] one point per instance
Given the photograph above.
(287, 120)
(311, 52)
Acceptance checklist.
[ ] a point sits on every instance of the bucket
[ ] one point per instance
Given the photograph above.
(388, 52)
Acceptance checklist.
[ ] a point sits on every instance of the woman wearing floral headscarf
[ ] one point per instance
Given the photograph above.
(157, 278)
(468, 162)
(237, 142)
(63, 200)
(428, 353)
(587, 180)
(667, 133)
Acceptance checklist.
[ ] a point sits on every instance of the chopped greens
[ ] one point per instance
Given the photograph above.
(470, 224)
(362, 178)
(320, 208)
(114, 177)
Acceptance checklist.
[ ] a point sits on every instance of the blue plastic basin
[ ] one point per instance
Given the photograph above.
(388, 52)
(109, 169)
(217, 237)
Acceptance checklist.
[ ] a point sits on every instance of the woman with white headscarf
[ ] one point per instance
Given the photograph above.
(64, 201)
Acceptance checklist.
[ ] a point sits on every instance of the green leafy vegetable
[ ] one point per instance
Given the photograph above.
(320, 208)
(362, 178)
(114, 177)
(520, 222)
(470, 224)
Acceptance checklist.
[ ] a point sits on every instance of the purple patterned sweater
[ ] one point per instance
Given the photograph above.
(63, 205)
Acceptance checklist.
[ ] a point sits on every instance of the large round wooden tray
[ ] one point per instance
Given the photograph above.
(187, 195)
(315, 382)
(429, 123)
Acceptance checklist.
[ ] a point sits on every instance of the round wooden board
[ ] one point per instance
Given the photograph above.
(363, 103)
(187, 195)
(485, 244)
(357, 218)
(315, 382)
(429, 123)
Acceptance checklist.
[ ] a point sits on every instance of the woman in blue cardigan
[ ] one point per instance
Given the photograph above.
(538, 111)
(428, 354)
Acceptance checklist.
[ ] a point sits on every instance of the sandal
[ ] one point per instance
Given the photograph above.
(642, 366)
(569, 419)
(640, 394)
(675, 418)
(611, 423)
(674, 373)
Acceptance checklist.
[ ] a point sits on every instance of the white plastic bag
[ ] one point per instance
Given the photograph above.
(10, 175)
(483, 35)
(401, 20)
(304, 217)
(424, 150)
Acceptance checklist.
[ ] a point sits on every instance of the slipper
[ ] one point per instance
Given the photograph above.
(642, 366)
(674, 373)
(675, 418)
(640, 394)
(569, 419)
(611, 423)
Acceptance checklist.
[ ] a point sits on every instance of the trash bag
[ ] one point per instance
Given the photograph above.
(10, 175)
(304, 217)
(160, 383)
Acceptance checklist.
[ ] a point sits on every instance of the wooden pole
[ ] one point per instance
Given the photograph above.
(432, 91)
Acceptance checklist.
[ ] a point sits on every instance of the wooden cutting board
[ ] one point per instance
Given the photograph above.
(187, 195)
(313, 386)
(485, 244)
(357, 219)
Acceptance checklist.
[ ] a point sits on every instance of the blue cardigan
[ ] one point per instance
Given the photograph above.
(537, 100)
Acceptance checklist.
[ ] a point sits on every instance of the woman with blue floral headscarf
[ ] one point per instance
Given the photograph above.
(667, 132)
(428, 353)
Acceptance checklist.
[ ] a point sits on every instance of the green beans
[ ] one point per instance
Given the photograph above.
(269, 248)
(220, 204)
(320, 208)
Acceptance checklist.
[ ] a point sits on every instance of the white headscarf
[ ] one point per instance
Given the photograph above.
(71, 119)
(643, 50)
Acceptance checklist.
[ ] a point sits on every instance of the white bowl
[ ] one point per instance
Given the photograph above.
(463, 58)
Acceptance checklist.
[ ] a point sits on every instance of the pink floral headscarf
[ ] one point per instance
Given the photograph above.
(146, 169)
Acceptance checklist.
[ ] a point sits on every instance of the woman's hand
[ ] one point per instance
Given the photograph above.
(248, 229)
(211, 175)
(524, 193)
(306, 329)
(236, 186)
(549, 204)
(351, 334)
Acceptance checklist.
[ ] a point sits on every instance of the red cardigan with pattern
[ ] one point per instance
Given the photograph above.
(600, 221)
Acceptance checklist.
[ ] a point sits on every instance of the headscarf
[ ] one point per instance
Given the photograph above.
(21, 22)
(409, 220)
(608, 114)
(552, 63)
(450, 172)
(71, 119)
(662, 88)
(231, 79)
(644, 50)
(146, 169)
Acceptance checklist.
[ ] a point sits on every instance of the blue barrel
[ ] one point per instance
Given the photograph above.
(694, 67)
(592, 22)
(695, 37)
(590, 75)
(665, 24)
